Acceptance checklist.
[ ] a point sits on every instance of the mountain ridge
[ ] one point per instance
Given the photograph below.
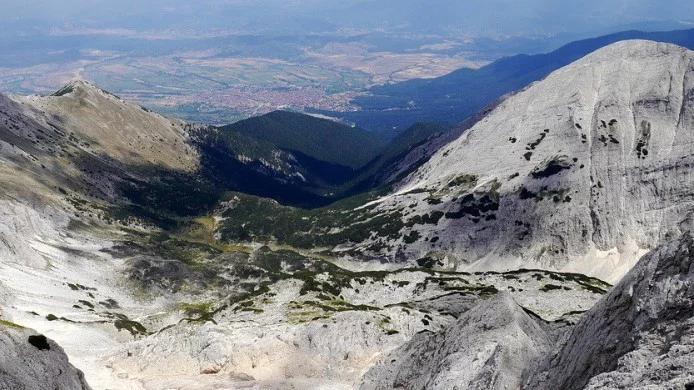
(637, 336)
(452, 98)
(327, 140)
(485, 348)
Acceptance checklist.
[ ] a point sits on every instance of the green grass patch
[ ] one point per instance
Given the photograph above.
(198, 312)
(259, 219)
(466, 181)
(12, 325)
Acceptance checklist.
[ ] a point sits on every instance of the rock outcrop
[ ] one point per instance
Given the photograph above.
(30, 361)
(639, 336)
(486, 348)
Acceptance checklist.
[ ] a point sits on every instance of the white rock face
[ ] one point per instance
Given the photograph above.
(21, 228)
(486, 348)
(29, 361)
(639, 336)
(583, 171)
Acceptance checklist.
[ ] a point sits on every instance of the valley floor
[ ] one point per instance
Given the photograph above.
(129, 318)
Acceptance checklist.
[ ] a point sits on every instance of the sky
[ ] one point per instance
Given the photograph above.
(481, 17)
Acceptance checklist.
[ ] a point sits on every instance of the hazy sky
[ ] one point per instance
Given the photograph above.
(476, 16)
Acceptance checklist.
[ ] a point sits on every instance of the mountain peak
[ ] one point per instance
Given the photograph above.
(632, 48)
(94, 114)
(72, 86)
(79, 86)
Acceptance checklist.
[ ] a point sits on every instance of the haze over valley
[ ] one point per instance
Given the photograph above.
(220, 61)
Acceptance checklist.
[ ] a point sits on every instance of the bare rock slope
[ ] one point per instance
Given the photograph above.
(82, 139)
(583, 171)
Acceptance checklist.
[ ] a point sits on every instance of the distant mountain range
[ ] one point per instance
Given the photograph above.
(452, 98)
(531, 17)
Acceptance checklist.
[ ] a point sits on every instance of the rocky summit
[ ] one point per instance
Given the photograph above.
(161, 254)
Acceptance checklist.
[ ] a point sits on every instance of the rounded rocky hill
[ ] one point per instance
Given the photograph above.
(584, 171)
